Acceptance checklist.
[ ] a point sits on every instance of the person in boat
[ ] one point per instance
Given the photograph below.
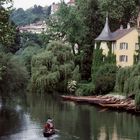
(49, 127)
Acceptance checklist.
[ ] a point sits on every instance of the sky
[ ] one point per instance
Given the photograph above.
(25, 4)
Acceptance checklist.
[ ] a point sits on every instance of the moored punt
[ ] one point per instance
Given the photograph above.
(109, 102)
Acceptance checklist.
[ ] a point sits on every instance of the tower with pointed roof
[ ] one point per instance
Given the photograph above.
(106, 34)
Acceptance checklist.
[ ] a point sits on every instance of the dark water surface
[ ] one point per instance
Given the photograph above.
(74, 121)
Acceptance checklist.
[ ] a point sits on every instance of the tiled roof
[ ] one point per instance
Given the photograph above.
(71, 1)
(120, 33)
(107, 35)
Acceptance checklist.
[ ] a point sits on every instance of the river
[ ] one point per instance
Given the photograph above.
(74, 121)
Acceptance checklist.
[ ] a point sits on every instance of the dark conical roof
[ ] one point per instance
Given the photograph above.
(106, 34)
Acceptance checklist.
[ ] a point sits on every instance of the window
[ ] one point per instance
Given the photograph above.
(113, 47)
(123, 58)
(123, 46)
(137, 46)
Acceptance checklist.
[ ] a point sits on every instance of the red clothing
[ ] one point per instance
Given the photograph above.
(49, 127)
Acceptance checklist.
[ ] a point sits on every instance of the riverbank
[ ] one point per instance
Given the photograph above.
(109, 102)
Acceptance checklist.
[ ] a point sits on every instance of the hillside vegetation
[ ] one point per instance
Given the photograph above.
(31, 15)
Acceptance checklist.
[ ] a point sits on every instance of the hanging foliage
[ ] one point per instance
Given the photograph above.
(122, 75)
(128, 80)
(53, 68)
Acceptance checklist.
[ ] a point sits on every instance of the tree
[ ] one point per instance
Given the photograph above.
(53, 68)
(120, 11)
(26, 55)
(66, 25)
(34, 14)
(97, 61)
(13, 76)
(6, 29)
(90, 13)
(19, 16)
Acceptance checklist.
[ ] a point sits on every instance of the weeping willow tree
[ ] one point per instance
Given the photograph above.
(122, 75)
(128, 80)
(53, 68)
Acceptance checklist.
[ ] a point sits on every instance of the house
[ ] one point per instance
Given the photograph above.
(54, 8)
(124, 43)
(37, 27)
(71, 3)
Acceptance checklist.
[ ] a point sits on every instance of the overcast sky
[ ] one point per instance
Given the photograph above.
(25, 4)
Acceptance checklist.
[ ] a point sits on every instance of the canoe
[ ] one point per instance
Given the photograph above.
(46, 134)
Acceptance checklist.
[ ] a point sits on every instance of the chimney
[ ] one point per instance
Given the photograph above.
(128, 26)
(121, 27)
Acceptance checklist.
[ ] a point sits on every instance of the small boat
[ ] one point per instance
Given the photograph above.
(48, 134)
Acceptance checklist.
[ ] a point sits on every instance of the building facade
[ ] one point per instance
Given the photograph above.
(36, 28)
(71, 3)
(124, 43)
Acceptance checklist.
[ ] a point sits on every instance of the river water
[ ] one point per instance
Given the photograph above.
(74, 121)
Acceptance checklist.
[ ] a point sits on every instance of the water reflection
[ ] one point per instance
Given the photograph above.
(74, 122)
(9, 119)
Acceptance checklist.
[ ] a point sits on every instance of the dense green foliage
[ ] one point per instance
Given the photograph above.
(25, 56)
(53, 68)
(128, 81)
(85, 89)
(31, 15)
(92, 19)
(99, 60)
(6, 29)
(105, 79)
(13, 76)
(120, 11)
(121, 77)
(65, 25)
(69, 25)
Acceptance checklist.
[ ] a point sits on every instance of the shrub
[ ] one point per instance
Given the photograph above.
(85, 89)
(104, 84)
(105, 80)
